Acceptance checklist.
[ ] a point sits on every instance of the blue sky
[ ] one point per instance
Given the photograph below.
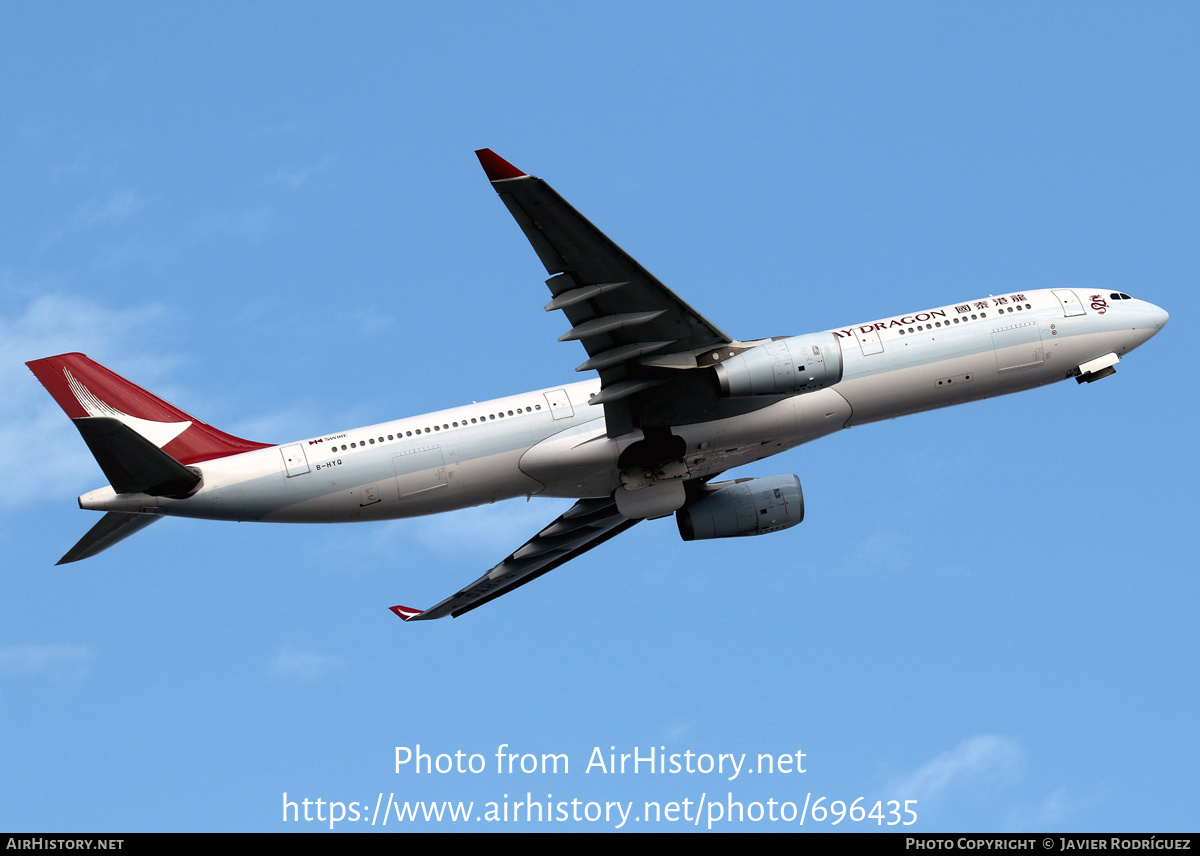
(273, 218)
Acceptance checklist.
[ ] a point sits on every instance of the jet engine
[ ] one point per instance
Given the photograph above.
(783, 367)
(743, 507)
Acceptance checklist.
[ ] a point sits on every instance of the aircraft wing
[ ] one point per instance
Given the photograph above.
(586, 524)
(637, 333)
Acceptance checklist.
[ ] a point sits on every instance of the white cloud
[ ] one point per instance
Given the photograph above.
(57, 662)
(56, 323)
(285, 128)
(96, 213)
(251, 224)
(117, 209)
(291, 663)
(1057, 809)
(369, 323)
(987, 759)
(461, 545)
(84, 165)
(294, 178)
(280, 426)
(677, 732)
(885, 550)
(53, 462)
(497, 529)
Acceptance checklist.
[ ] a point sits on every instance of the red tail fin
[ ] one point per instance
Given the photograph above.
(84, 388)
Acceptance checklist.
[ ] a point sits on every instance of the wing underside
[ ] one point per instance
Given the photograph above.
(586, 524)
(649, 348)
(639, 335)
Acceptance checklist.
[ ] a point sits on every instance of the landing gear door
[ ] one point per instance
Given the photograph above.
(294, 459)
(559, 404)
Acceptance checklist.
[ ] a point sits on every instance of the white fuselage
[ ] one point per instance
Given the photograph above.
(552, 442)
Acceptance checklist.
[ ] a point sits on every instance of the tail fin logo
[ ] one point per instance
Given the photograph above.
(407, 612)
(158, 433)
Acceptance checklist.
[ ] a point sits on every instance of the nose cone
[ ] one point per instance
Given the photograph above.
(1150, 320)
(1159, 316)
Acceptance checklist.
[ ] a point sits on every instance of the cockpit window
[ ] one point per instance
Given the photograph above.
(1119, 296)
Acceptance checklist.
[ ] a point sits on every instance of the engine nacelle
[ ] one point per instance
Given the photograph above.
(747, 507)
(783, 367)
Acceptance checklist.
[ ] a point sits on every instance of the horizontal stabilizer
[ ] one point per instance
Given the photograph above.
(131, 462)
(113, 527)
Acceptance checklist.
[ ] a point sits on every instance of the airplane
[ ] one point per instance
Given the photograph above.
(677, 402)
